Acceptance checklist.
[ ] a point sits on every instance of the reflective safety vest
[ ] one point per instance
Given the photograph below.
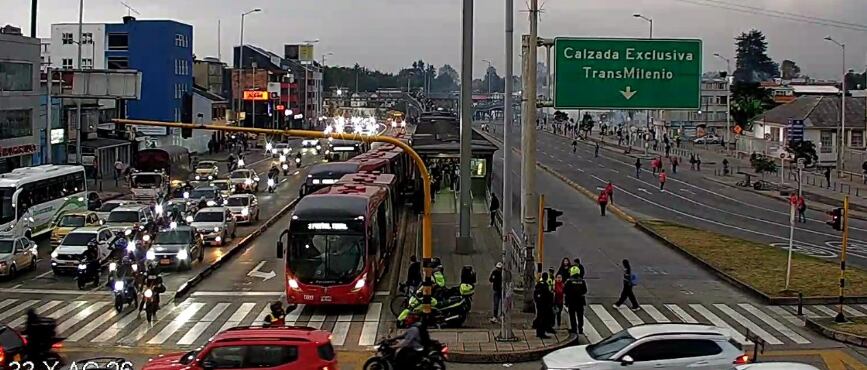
(439, 279)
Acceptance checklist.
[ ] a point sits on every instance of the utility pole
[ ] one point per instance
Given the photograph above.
(219, 43)
(464, 243)
(506, 299)
(529, 199)
(48, 108)
(33, 10)
(78, 101)
(840, 317)
(254, 88)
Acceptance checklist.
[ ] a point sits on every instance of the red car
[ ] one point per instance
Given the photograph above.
(290, 347)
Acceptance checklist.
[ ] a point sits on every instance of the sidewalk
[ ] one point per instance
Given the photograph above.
(475, 342)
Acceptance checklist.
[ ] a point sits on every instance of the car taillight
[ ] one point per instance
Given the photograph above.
(741, 360)
(2, 356)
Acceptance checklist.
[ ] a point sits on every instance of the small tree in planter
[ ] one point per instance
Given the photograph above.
(762, 164)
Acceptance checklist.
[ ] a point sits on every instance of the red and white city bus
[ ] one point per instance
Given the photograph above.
(338, 241)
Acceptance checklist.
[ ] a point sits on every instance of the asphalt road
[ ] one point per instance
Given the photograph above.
(43, 279)
(691, 198)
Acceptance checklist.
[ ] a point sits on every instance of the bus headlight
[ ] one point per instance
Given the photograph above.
(293, 283)
(151, 255)
(182, 254)
(361, 282)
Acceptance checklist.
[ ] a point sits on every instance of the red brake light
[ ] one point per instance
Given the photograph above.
(2, 356)
(741, 360)
(57, 345)
(445, 349)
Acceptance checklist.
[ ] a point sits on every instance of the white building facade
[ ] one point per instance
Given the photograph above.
(62, 51)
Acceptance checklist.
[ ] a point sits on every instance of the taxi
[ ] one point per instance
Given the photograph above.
(69, 221)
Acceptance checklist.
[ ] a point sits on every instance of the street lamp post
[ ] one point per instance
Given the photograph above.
(78, 101)
(241, 68)
(842, 135)
(728, 98)
(319, 108)
(650, 35)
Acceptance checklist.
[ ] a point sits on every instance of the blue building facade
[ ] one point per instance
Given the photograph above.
(163, 51)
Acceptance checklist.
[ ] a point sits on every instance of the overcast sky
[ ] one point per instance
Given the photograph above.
(389, 34)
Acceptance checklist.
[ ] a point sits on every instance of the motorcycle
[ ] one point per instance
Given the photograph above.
(124, 293)
(386, 355)
(450, 310)
(88, 272)
(150, 305)
(285, 168)
(271, 185)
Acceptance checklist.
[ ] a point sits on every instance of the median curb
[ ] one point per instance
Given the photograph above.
(737, 283)
(534, 354)
(818, 326)
(185, 288)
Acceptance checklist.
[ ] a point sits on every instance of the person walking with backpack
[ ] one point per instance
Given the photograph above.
(574, 291)
(630, 280)
(603, 202)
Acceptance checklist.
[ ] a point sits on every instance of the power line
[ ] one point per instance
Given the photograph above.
(776, 14)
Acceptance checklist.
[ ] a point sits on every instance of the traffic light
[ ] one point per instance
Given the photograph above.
(836, 220)
(551, 223)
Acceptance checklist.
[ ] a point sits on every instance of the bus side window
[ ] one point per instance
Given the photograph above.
(373, 231)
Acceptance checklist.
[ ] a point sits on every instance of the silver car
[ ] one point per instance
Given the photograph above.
(16, 254)
(244, 179)
(216, 224)
(206, 170)
(245, 207)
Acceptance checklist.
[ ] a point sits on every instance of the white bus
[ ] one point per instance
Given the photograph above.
(34, 196)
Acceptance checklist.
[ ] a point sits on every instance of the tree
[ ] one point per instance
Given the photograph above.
(790, 70)
(753, 63)
(803, 149)
(762, 164)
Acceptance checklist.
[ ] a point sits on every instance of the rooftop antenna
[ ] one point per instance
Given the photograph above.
(130, 9)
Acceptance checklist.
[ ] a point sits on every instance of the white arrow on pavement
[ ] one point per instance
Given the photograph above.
(628, 93)
(643, 190)
(259, 274)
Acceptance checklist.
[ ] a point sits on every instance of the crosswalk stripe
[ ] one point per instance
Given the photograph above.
(346, 317)
(338, 335)
(315, 324)
(788, 316)
(7, 302)
(782, 329)
(215, 312)
(293, 316)
(368, 334)
(808, 312)
(144, 328)
(78, 317)
(40, 310)
(317, 317)
(654, 313)
(194, 333)
(176, 324)
(851, 311)
(630, 316)
(373, 312)
(825, 310)
(240, 313)
(114, 329)
(714, 319)
(262, 314)
(751, 326)
(861, 306)
(65, 310)
(92, 325)
(606, 318)
(591, 332)
(681, 314)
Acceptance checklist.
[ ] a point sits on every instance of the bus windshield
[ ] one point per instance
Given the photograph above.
(326, 258)
(147, 181)
(7, 211)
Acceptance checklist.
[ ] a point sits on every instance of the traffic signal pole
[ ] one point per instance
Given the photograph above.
(840, 317)
(540, 238)
(427, 250)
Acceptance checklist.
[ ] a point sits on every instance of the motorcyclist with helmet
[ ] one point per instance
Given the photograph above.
(277, 317)
(153, 282)
(411, 345)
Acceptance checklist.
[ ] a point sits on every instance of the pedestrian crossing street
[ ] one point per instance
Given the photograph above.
(189, 323)
(192, 322)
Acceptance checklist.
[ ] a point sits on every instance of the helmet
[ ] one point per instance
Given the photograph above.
(574, 271)
(276, 305)
(125, 260)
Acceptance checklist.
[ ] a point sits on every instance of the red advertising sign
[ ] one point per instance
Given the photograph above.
(281, 107)
(11, 151)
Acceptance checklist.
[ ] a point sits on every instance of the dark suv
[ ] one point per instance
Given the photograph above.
(281, 348)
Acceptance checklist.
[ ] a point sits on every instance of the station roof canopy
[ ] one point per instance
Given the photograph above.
(441, 136)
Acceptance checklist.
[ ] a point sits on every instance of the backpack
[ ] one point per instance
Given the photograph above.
(633, 279)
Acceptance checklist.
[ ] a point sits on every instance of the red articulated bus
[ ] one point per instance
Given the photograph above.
(338, 241)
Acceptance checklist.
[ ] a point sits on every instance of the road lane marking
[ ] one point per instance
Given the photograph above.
(751, 326)
(238, 316)
(55, 291)
(114, 329)
(338, 334)
(782, 329)
(344, 317)
(7, 302)
(176, 324)
(215, 312)
(65, 310)
(373, 312)
(235, 294)
(40, 310)
(92, 325)
(292, 317)
(630, 316)
(368, 334)
(714, 319)
(788, 316)
(825, 310)
(78, 317)
(654, 313)
(591, 332)
(606, 318)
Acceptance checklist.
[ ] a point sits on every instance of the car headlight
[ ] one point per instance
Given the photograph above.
(218, 239)
(246, 211)
(216, 229)
(318, 147)
(360, 283)
(182, 254)
(118, 285)
(82, 266)
(198, 177)
(127, 232)
(210, 177)
(189, 219)
(211, 203)
(293, 283)
(54, 254)
(150, 255)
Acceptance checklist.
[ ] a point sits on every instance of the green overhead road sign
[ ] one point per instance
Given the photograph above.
(596, 73)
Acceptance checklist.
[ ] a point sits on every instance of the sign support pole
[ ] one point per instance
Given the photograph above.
(528, 149)
(506, 300)
(840, 317)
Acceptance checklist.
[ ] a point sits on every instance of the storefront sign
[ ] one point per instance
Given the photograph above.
(255, 95)
(57, 135)
(12, 151)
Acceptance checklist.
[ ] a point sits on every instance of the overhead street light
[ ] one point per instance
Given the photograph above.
(241, 66)
(649, 20)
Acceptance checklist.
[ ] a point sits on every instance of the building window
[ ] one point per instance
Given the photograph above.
(182, 67)
(177, 114)
(182, 41)
(857, 138)
(67, 38)
(16, 76)
(723, 100)
(66, 63)
(86, 63)
(87, 38)
(118, 41)
(118, 63)
(826, 139)
(16, 123)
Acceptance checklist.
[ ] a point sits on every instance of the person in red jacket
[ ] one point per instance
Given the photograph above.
(610, 190)
(662, 178)
(603, 201)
